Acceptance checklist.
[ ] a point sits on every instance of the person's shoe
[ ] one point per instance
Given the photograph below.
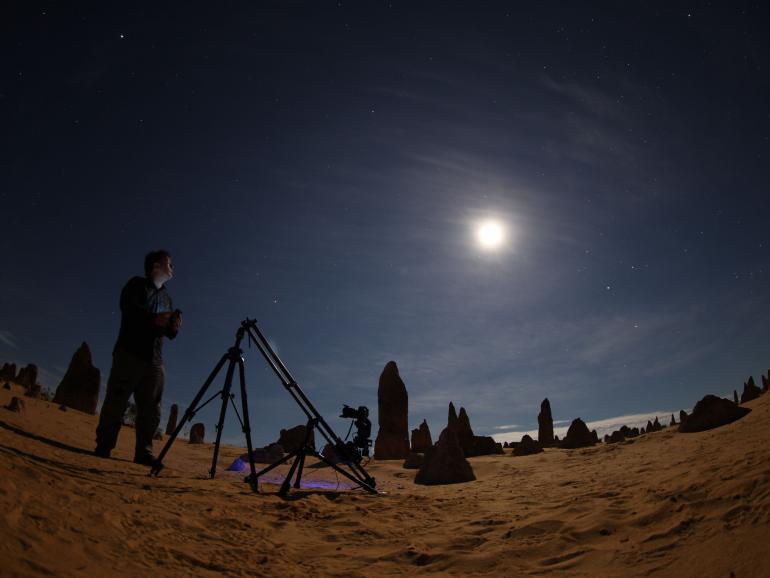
(102, 452)
(145, 459)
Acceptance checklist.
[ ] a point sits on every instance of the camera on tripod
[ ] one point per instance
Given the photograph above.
(359, 447)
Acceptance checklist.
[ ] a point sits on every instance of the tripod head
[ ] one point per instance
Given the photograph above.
(244, 328)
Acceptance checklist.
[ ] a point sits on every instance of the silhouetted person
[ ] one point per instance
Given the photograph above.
(147, 316)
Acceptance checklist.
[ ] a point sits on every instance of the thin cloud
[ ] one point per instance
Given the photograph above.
(49, 379)
(8, 338)
(602, 426)
(594, 101)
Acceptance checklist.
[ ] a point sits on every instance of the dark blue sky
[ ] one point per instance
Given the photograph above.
(321, 166)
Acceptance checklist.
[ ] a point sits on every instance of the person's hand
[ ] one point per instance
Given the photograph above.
(175, 322)
(162, 320)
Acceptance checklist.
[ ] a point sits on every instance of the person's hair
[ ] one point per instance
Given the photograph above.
(154, 257)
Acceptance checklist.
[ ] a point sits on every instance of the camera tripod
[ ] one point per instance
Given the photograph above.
(234, 355)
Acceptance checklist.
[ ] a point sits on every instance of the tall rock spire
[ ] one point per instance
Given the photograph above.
(545, 424)
(393, 416)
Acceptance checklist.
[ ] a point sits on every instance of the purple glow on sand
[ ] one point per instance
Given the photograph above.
(311, 484)
(239, 465)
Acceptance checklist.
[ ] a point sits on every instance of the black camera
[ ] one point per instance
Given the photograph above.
(361, 413)
(361, 441)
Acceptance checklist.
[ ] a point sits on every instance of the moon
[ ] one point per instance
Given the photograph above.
(490, 235)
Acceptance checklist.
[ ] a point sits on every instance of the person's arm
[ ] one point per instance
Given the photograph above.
(174, 323)
(133, 302)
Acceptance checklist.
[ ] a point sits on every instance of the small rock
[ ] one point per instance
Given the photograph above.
(27, 378)
(750, 391)
(292, 439)
(8, 372)
(527, 447)
(16, 405)
(331, 454)
(172, 417)
(421, 438)
(486, 446)
(445, 463)
(712, 412)
(34, 391)
(629, 432)
(413, 461)
(578, 436)
(266, 455)
(654, 425)
(461, 425)
(197, 433)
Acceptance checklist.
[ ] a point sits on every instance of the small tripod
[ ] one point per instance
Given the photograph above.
(234, 356)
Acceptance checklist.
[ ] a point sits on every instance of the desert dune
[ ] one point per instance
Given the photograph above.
(662, 504)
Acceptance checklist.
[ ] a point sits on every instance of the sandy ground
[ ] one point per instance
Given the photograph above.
(665, 504)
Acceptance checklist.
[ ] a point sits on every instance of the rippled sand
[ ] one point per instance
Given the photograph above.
(665, 504)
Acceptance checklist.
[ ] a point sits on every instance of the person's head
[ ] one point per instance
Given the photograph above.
(158, 267)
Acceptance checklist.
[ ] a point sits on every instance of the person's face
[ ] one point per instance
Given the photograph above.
(164, 266)
(167, 266)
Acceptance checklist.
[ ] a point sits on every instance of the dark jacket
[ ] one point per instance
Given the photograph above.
(140, 304)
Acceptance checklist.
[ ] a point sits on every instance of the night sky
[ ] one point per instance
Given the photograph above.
(324, 166)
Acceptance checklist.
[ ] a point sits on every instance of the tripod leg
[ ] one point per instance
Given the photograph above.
(305, 448)
(299, 470)
(360, 473)
(287, 482)
(187, 416)
(252, 478)
(221, 423)
(359, 482)
(274, 465)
